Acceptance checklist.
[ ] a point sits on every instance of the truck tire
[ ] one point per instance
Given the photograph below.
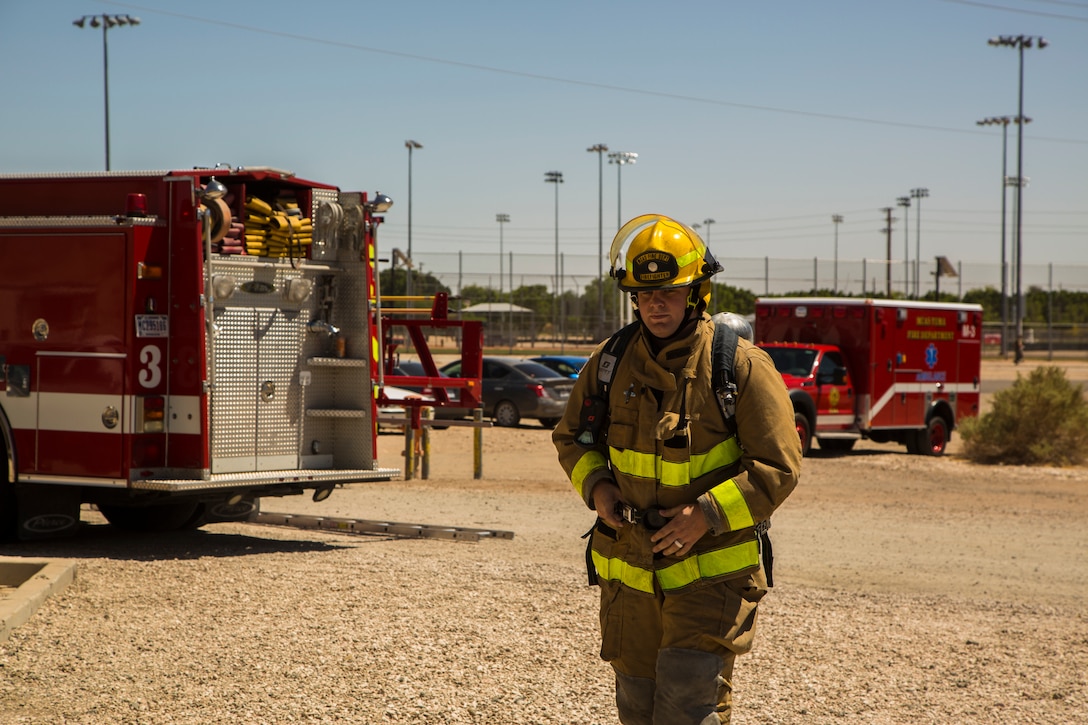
(160, 517)
(804, 432)
(933, 439)
(9, 506)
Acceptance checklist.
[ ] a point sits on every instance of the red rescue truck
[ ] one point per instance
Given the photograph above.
(887, 370)
(175, 345)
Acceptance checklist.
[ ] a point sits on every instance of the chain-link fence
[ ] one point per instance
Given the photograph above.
(523, 304)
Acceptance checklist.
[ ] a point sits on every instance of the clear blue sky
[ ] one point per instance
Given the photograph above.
(768, 117)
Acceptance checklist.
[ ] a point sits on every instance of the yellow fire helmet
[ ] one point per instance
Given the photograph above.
(653, 251)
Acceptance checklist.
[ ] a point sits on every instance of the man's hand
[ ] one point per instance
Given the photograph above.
(687, 524)
(606, 495)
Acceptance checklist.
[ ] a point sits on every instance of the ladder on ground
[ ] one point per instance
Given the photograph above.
(365, 526)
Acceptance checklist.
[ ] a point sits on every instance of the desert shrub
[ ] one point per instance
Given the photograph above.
(1041, 420)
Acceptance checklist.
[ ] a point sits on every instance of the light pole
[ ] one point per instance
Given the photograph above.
(904, 201)
(411, 146)
(708, 222)
(502, 219)
(599, 149)
(620, 159)
(555, 177)
(1019, 42)
(918, 194)
(1004, 122)
(107, 22)
(836, 219)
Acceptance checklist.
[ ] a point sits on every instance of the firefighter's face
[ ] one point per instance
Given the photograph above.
(662, 310)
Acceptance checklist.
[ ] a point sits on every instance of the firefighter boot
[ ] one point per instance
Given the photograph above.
(691, 689)
(634, 699)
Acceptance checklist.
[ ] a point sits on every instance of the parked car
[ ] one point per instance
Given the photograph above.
(516, 388)
(568, 365)
(441, 412)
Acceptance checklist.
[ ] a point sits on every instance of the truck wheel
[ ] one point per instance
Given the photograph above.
(933, 439)
(506, 414)
(804, 432)
(913, 441)
(9, 511)
(161, 517)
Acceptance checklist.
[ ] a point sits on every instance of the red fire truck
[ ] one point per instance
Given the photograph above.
(887, 370)
(175, 345)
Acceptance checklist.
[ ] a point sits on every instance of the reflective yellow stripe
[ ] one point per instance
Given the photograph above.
(619, 570)
(711, 564)
(686, 259)
(633, 463)
(733, 505)
(587, 464)
(674, 473)
(717, 457)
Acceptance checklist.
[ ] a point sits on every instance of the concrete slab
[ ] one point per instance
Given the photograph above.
(25, 584)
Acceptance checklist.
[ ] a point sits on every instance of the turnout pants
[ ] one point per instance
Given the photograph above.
(673, 655)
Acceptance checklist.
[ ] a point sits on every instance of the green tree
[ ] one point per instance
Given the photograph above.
(473, 294)
(727, 298)
(394, 282)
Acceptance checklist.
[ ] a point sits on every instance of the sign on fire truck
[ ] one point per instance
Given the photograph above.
(887, 370)
(175, 345)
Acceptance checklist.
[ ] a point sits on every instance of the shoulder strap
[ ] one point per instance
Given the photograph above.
(724, 349)
(725, 386)
(610, 356)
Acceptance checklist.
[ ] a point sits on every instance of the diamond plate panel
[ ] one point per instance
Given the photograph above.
(270, 369)
(234, 397)
(279, 344)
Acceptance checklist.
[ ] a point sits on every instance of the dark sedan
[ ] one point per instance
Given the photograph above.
(516, 388)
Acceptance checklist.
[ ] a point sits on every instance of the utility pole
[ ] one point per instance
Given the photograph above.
(888, 232)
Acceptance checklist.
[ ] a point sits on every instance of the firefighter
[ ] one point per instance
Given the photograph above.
(683, 492)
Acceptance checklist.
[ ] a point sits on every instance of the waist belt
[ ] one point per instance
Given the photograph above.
(653, 520)
(650, 518)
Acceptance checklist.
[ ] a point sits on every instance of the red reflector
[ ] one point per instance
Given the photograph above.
(153, 415)
(839, 312)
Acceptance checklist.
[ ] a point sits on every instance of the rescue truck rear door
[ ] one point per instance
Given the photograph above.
(834, 394)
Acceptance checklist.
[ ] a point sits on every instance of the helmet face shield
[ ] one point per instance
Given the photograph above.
(655, 252)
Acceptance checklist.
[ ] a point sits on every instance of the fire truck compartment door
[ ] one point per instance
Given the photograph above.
(81, 414)
(255, 401)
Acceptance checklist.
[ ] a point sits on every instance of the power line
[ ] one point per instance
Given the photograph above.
(588, 84)
(1020, 11)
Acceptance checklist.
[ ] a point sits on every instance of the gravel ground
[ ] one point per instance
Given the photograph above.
(908, 589)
